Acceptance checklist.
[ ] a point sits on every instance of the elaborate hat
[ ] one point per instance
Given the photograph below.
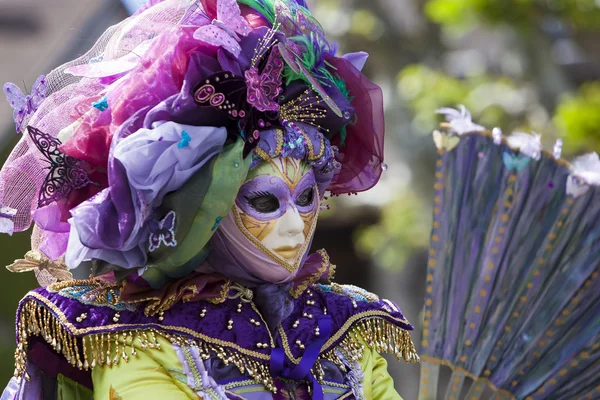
(132, 154)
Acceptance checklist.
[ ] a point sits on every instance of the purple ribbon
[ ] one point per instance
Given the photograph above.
(301, 371)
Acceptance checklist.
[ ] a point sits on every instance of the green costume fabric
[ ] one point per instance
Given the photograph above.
(158, 374)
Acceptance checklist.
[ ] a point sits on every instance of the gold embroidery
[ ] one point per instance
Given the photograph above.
(56, 314)
(157, 304)
(49, 322)
(224, 293)
(262, 154)
(100, 291)
(331, 275)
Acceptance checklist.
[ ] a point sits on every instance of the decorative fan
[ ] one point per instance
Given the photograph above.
(512, 300)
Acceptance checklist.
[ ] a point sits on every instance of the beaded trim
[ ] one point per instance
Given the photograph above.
(88, 348)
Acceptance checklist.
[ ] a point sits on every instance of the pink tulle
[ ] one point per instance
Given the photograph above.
(159, 75)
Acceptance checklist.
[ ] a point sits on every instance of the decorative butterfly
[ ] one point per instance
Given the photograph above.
(515, 162)
(101, 104)
(36, 261)
(163, 232)
(66, 173)
(22, 105)
(223, 31)
(263, 88)
(185, 140)
(443, 141)
(6, 223)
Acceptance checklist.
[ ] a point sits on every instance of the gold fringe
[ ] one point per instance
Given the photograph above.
(379, 335)
(111, 348)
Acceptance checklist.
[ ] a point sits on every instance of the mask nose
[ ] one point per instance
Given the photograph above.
(291, 223)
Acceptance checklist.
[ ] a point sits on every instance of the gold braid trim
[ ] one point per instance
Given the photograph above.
(262, 154)
(437, 361)
(331, 275)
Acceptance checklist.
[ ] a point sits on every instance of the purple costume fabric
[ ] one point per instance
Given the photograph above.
(320, 306)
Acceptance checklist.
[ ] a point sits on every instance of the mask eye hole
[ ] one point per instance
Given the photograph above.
(263, 202)
(305, 198)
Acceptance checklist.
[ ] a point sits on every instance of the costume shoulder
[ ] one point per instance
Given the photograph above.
(351, 311)
(73, 317)
(74, 321)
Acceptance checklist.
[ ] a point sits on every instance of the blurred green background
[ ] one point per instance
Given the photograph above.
(522, 65)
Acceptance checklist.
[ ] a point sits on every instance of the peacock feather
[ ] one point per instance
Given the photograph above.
(512, 300)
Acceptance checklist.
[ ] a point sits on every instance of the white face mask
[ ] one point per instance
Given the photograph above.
(287, 236)
(278, 205)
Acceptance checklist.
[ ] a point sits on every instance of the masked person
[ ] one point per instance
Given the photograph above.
(174, 175)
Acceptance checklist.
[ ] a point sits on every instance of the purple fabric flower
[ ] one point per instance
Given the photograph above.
(145, 166)
(156, 167)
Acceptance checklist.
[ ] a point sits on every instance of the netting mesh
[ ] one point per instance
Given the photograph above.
(43, 277)
(69, 98)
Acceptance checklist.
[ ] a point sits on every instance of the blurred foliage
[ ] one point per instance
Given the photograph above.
(495, 101)
(404, 226)
(518, 13)
(578, 116)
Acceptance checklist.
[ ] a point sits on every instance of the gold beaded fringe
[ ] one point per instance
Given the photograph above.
(109, 349)
(381, 336)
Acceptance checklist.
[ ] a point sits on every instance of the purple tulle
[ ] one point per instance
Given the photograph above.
(56, 236)
(361, 155)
